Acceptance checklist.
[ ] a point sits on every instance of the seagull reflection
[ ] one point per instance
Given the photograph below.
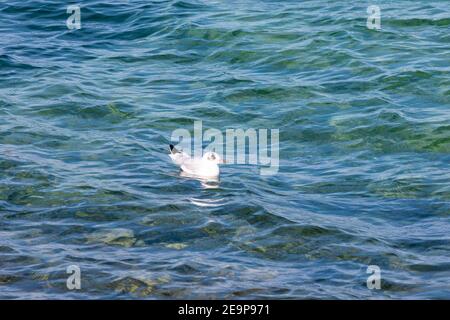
(207, 183)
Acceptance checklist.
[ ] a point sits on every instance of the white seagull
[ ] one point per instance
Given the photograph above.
(205, 167)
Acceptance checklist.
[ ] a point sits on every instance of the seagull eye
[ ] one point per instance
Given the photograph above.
(212, 157)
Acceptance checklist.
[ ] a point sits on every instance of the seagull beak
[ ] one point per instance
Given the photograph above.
(224, 161)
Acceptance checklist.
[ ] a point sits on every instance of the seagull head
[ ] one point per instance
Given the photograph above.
(213, 157)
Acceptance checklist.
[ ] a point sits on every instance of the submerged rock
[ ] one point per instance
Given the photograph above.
(176, 246)
(7, 279)
(117, 236)
(133, 286)
(139, 286)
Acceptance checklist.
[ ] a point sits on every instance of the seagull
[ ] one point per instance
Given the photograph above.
(205, 167)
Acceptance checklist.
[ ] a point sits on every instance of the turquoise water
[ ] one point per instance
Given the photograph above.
(364, 179)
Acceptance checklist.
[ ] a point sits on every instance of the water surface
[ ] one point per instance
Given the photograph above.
(364, 177)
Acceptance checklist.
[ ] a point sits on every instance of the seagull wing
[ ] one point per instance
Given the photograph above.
(192, 166)
(178, 157)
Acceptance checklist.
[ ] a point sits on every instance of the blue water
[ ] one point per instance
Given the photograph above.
(86, 116)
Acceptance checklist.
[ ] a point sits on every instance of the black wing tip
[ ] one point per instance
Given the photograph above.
(173, 150)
